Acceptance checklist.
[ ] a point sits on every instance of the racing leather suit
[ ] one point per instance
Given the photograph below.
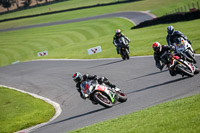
(162, 58)
(88, 77)
(116, 42)
(171, 39)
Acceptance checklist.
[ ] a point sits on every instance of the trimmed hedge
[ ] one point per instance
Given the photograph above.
(172, 18)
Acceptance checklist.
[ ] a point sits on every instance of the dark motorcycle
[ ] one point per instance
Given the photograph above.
(124, 48)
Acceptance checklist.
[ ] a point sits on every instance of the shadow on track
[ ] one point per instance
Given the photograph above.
(161, 84)
(147, 75)
(106, 64)
(77, 116)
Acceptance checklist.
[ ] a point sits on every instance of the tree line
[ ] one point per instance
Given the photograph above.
(19, 3)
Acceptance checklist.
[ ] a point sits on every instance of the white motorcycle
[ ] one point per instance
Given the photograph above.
(183, 47)
(102, 94)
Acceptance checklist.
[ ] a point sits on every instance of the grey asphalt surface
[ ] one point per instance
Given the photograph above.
(135, 17)
(144, 84)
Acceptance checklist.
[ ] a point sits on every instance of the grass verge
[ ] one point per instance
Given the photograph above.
(71, 41)
(19, 111)
(179, 116)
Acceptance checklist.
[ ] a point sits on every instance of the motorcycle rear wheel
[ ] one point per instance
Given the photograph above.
(102, 99)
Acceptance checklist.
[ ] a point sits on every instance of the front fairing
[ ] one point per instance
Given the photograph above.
(180, 48)
(105, 89)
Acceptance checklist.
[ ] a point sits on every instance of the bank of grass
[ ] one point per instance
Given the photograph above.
(157, 7)
(19, 111)
(71, 41)
(179, 116)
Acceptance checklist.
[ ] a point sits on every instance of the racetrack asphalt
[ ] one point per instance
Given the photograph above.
(144, 84)
(133, 16)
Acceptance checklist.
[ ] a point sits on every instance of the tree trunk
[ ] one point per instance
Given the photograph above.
(17, 4)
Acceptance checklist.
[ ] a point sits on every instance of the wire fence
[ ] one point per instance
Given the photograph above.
(194, 6)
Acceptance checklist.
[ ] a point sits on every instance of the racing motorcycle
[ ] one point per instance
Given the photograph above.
(102, 94)
(183, 47)
(124, 51)
(181, 66)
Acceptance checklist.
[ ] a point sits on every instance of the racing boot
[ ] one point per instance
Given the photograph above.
(93, 102)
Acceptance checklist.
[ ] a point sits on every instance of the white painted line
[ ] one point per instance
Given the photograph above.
(54, 104)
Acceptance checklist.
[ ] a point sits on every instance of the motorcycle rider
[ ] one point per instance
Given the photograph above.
(116, 40)
(172, 35)
(79, 78)
(162, 57)
(171, 39)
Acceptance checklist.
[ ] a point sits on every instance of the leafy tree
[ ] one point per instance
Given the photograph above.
(6, 4)
(27, 3)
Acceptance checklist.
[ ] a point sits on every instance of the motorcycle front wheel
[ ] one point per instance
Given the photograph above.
(127, 54)
(184, 70)
(122, 97)
(102, 99)
(191, 56)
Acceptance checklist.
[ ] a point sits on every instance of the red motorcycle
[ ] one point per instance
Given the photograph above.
(181, 66)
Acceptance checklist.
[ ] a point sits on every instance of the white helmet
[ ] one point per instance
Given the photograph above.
(118, 32)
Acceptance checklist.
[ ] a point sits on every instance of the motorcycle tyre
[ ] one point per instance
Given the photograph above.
(183, 71)
(190, 55)
(95, 97)
(197, 70)
(123, 55)
(122, 97)
(127, 54)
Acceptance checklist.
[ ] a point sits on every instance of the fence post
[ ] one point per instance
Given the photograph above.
(189, 6)
(185, 8)
(193, 5)
(182, 10)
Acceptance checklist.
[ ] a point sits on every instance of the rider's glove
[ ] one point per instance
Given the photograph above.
(172, 48)
(82, 96)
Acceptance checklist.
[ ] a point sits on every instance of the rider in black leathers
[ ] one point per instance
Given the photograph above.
(79, 78)
(116, 41)
(162, 56)
(173, 35)
(172, 38)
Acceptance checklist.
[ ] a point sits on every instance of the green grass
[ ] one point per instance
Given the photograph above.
(61, 41)
(179, 116)
(157, 7)
(71, 41)
(19, 111)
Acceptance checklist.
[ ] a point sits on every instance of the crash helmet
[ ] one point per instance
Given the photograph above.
(170, 30)
(118, 32)
(157, 47)
(77, 77)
